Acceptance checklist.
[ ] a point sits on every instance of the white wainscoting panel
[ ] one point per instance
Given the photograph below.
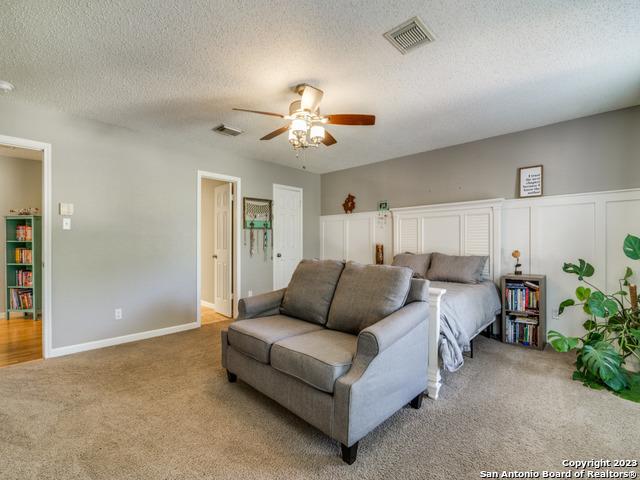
(354, 236)
(463, 228)
(550, 231)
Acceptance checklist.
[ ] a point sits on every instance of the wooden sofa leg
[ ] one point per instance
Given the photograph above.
(416, 402)
(232, 377)
(349, 454)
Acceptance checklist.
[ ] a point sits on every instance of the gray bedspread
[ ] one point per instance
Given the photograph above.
(466, 310)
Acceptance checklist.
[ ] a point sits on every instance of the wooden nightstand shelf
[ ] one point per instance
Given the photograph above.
(524, 302)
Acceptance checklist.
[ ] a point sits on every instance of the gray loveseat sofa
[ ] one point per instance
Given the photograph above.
(343, 346)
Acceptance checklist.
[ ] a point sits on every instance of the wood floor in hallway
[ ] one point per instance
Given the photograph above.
(20, 340)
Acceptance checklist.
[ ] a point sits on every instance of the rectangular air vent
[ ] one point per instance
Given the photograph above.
(411, 34)
(223, 129)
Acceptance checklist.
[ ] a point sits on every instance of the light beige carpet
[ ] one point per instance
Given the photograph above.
(162, 409)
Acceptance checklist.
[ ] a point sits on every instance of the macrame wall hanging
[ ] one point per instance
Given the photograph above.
(256, 215)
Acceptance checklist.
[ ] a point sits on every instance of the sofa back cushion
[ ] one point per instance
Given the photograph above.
(310, 291)
(419, 263)
(454, 268)
(366, 294)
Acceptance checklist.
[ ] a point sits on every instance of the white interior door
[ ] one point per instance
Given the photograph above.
(287, 233)
(222, 249)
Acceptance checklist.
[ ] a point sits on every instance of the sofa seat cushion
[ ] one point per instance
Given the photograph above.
(310, 291)
(366, 294)
(255, 336)
(317, 358)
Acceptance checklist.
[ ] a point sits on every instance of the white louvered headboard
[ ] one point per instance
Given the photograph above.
(464, 228)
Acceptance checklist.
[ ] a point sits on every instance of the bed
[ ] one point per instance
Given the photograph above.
(459, 311)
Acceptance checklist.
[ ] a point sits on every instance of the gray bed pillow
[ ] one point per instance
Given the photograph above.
(310, 291)
(366, 294)
(419, 263)
(456, 268)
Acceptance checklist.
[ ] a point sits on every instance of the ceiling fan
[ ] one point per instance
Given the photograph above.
(306, 127)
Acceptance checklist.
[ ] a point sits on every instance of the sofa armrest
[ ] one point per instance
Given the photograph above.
(379, 336)
(260, 305)
(388, 370)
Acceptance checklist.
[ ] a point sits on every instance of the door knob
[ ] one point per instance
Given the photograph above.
(278, 255)
(215, 256)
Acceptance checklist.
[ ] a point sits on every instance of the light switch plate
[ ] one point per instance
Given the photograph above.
(66, 223)
(66, 209)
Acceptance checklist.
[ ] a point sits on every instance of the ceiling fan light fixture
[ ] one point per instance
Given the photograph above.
(317, 134)
(299, 127)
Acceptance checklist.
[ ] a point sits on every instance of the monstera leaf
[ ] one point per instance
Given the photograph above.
(602, 359)
(583, 293)
(631, 247)
(633, 391)
(561, 343)
(567, 303)
(583, 269)
(602, 306)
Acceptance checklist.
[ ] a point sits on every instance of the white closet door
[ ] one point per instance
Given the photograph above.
(222, 250)
(287, 233)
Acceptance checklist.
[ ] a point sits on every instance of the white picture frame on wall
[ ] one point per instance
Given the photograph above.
(530, 181)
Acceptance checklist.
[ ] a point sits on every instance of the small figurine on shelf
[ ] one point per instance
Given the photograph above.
(379, 254)
(518, 270)
(349, 204)
(25, 211)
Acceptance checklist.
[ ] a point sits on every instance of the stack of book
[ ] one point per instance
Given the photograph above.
(24, 233)
(23, 255)
(24, 278)
(20, 299)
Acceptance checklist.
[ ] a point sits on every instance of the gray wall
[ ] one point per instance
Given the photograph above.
(595, 153)
(133, 242)
(20, 187)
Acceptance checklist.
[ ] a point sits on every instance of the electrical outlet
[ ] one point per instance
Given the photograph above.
(118, 313)
(66, 223)
(555, 314)
(250, 293)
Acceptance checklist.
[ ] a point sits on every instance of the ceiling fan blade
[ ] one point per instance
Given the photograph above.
(311, 97)
(328, 139)
(259, 112)
(275, 133)
(350, 119)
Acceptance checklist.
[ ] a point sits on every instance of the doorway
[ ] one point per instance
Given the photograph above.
(287, 233)
(24, 247)
(218, 259)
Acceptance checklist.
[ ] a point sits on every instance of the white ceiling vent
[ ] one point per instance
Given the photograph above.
(409, 35)
(223, 129)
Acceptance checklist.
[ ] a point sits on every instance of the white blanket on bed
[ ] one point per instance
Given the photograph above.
(466, 310)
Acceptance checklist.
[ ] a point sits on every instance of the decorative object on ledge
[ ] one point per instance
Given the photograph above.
(383, 212)
(256, 217)
(349, 204)
(530, 181)
(30, 211)
(518, 268)
(379, 254)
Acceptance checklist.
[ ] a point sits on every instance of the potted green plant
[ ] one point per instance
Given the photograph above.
(612, 339)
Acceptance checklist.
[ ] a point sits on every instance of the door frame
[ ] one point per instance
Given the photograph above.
(236, 220)
(47, 316)
(277, 186)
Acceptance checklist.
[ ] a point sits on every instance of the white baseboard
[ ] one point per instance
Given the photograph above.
(208, 304)
(109, 342)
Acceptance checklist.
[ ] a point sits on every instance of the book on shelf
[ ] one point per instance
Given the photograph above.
(23, 255)
(521, 298)
(24, 233)
(20, 299)
(24, 278)
(523, 333)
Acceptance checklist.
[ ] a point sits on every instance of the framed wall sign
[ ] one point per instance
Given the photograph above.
(530, 181)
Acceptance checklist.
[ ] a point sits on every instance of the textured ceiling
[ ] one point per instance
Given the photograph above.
(178, 67)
